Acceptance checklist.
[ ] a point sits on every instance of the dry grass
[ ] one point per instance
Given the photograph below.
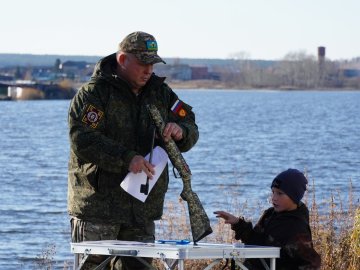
(335, 229)
(46, 259)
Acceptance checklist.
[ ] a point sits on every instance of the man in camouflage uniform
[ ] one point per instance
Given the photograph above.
(110, 133)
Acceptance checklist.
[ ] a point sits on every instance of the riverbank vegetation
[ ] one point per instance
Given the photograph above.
(335, 225)
(296, 71)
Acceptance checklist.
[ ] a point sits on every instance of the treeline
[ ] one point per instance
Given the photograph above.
(33, 60)
(295, 71)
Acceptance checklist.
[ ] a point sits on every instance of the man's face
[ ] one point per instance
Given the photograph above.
(136, 72)
(281, 201)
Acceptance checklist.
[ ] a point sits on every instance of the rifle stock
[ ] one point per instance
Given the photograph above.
(199, 221)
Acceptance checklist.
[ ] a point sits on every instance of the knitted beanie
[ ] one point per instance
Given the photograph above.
(292, 182)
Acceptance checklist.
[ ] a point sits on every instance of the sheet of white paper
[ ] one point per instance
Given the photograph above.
(132, 182)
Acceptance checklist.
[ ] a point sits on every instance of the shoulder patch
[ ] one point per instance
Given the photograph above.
(92, 116)
(178, 108)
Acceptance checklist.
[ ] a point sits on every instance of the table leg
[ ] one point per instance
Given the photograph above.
(272, 264)
(76, 260)
(243, 267)
(181, 265)
(211, 265)
(80, 264)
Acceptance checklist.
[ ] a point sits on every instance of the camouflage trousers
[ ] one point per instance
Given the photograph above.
(88, 231)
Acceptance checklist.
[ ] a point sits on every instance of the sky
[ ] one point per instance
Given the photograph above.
(251, 29)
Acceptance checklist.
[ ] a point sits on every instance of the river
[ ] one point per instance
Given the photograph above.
(246, 138)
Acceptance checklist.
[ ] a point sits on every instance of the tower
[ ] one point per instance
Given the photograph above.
(321, 65)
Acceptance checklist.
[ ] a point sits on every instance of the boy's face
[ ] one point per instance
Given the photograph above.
(281, 201)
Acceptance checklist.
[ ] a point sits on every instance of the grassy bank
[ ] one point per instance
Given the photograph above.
(214, 84)
(335, 227)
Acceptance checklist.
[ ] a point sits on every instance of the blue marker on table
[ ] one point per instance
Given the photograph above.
(173, 242)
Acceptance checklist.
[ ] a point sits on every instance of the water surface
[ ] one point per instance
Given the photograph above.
(246, 138)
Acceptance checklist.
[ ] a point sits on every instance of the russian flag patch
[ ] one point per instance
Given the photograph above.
(178, 109)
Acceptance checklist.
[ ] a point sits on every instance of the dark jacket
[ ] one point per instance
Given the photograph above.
(108, 126)
(289, 230)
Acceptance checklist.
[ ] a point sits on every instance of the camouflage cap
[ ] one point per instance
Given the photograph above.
(143, 46)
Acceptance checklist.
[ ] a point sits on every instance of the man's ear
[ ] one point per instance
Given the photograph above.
(120, 58)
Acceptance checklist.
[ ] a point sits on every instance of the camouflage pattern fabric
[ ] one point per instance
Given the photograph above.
(108, 126)
(199, 221)
(143, 46)
(288, 230)
(88, 231)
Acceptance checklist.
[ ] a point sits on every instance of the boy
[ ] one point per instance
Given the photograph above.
(284, 225)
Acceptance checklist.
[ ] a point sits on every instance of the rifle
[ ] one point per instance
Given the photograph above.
(199, 221)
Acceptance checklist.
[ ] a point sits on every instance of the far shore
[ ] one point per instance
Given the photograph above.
(218, 85)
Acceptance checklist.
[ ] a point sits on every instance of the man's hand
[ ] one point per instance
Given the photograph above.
(229, 218)
(139, 164)
(172, 130)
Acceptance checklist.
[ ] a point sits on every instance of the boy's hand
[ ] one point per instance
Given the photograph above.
(229, 218)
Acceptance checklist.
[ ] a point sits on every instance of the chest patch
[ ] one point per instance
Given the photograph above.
(92, 116)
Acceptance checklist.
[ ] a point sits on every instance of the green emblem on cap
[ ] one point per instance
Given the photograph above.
(151, 45)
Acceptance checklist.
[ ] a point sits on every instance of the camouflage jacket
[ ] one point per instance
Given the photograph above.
(108, 126)
(288, 230)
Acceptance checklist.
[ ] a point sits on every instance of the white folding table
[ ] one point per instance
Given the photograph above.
(174, 253)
